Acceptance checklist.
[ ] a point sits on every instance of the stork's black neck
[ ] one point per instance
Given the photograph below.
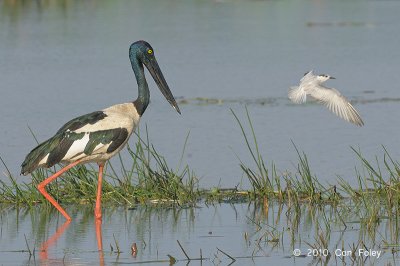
(143, 98)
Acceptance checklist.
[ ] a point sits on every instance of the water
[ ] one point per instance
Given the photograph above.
(64, 60)
(253, 234)
(61, 59)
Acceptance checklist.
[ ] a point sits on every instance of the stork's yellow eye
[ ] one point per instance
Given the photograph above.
(149, 51)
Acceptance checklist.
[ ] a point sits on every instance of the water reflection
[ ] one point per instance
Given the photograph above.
(99, 241)
(51, 243)
(257, 231)
(46, 245)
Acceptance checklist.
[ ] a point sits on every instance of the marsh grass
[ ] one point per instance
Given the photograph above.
(375, 200)
(375, 181)
(148, 179)
(265, 182)
(160, 181)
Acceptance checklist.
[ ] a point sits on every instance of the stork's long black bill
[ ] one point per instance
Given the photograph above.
(158, 77)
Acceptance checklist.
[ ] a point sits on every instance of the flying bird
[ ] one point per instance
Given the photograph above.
(311, 84)
(98, 136)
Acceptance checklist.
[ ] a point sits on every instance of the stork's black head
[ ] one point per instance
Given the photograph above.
(141, 51)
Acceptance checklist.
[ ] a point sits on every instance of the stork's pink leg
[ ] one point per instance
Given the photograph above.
(97, 214)
(43, 184)
(97, 210)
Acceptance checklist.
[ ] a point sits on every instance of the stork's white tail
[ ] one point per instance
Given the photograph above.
(297, 94)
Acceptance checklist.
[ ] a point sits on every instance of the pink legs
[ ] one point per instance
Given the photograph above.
(97, 214)
(60, 231)
(43, 184)
(97, 210)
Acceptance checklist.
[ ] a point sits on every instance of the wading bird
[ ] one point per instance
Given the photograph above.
(98, 136)
(311, 84)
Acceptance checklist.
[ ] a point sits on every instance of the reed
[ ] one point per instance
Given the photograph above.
(149, 178)
(265, 181)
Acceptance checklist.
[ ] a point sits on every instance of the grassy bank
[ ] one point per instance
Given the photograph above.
(149, 179)
(281, 206)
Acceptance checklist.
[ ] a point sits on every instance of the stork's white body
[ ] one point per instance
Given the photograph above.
(122, 115)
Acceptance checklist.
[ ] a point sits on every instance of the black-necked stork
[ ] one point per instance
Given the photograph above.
(98, 136)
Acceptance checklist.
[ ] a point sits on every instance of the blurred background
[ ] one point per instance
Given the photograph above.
(61, 59)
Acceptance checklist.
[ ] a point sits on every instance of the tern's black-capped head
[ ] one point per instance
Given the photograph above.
(319, 77)
(324, 77)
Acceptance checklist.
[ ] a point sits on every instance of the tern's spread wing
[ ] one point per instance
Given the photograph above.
(338, 104)
(297, 94)
(309, 76)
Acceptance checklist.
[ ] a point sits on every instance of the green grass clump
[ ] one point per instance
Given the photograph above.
(372, 207)
(263, 181)
(266, 182)
(160, 181)
(376, 198)
(148, 179)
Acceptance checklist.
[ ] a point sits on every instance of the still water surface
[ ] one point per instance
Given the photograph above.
(253, 234)
(61, 59)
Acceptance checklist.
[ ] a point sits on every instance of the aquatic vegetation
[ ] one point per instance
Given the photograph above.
(303, 186)
(205, 101)
(376, 199)
(284, 204)
(148, 178)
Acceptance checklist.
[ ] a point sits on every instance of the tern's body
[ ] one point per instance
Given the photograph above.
(311, 85)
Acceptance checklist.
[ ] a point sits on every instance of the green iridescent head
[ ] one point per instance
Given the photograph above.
(142, 52)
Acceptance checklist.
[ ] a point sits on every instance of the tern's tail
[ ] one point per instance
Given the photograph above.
(297, 94)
